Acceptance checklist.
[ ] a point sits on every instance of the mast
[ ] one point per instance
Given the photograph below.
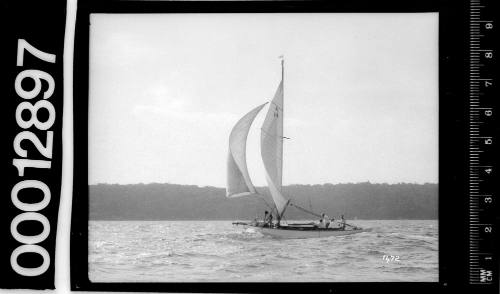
(272, 147)
(282, 68)
(283, 130)
(282, 116)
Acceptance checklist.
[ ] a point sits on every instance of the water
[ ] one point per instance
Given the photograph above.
(216, 251)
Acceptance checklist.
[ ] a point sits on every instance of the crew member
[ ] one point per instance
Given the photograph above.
(320, 224)
(265, 218)
(326, 220)
(270, 220)
(342, 222)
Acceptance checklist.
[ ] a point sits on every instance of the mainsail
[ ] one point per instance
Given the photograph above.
(271, 148)
(238, 180)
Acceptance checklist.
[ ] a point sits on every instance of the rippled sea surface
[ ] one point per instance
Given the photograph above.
(217, 251)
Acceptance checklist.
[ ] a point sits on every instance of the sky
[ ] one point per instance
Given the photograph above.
(360, 96)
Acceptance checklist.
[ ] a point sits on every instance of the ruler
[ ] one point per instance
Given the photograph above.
(482, 143)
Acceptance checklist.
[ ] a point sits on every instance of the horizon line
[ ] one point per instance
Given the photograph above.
(205, 186)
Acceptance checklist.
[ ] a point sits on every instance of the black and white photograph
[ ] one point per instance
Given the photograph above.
(246, 146)
(263, 147)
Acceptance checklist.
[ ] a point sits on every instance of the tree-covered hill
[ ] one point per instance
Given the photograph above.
(186, 202)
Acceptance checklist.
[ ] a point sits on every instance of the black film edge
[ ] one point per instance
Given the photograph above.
(31, 112)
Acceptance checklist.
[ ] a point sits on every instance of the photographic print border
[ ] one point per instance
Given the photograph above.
(452, 139)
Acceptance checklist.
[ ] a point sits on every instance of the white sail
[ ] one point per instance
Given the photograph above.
(238, 180)
(271, 149)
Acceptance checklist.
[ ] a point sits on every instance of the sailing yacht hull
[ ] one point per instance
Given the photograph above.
(304, 234)
(301, 233)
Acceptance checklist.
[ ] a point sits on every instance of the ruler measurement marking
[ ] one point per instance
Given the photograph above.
(478, 32)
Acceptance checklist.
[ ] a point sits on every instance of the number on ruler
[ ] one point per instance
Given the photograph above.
(488, 112)
(488, 141)
(488, 25)
(487, 84)
(488, 199)
(488, 54)
(488, 170)
(488, 229)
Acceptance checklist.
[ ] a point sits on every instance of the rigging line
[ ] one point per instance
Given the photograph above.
(315, 214)
(305, 210)
(261, 197)
(310, 203)
(284, 209)
(284, 219)
(274, 209)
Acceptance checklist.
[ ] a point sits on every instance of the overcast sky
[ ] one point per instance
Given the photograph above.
(361, 96)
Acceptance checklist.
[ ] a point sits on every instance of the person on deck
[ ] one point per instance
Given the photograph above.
(326, 220)
(320, 224)
(270, 220)
(266, 216)
(342, 222)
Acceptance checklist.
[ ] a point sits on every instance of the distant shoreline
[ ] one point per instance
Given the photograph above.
(188, 202)
(233, 220)
(260, 187)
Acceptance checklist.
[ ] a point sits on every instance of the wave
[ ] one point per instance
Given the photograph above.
(214, 252)
(410, 237)
(376, 252)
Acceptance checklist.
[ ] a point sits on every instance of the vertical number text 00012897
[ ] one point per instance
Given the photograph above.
(32, 103)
